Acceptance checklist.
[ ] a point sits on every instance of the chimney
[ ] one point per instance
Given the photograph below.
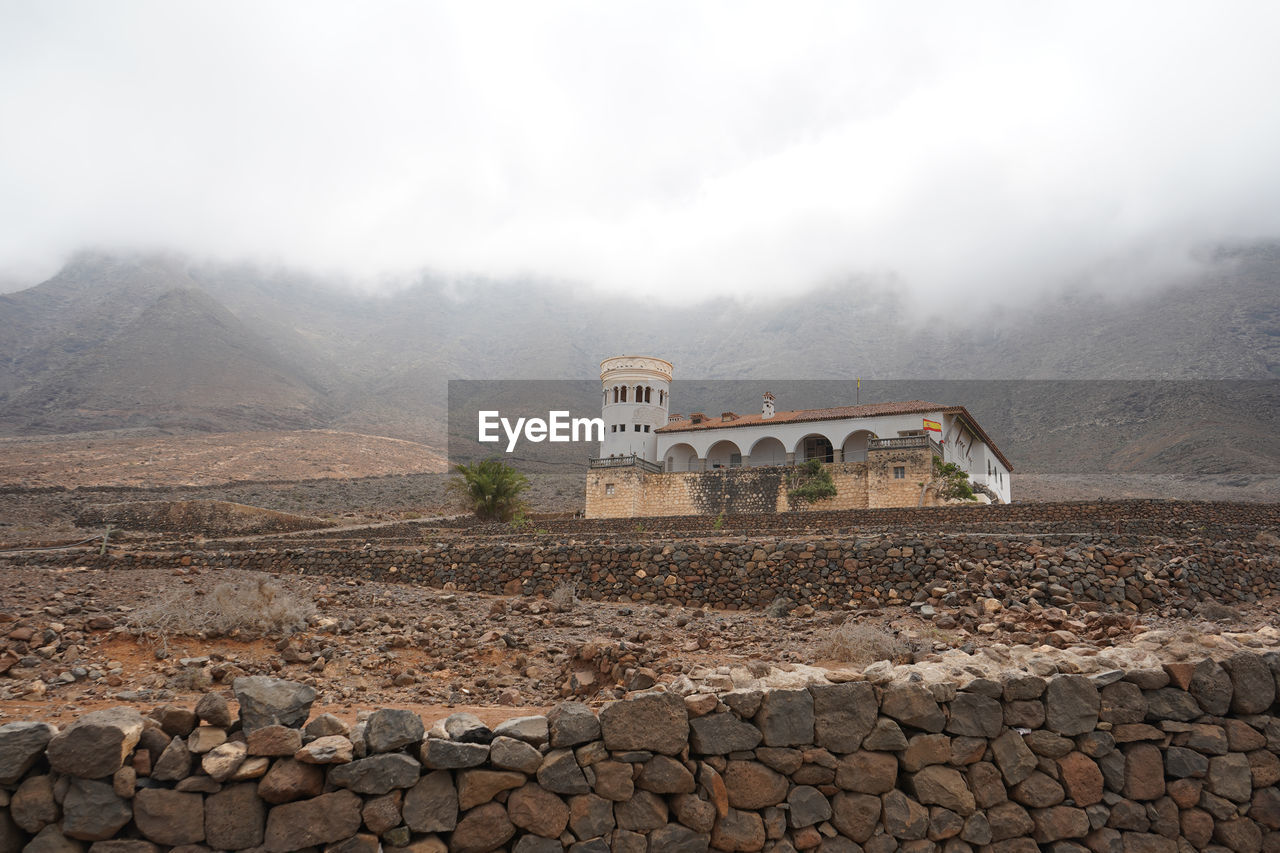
(767, 409)
(673, 417)
(725, 417)
(699, 417)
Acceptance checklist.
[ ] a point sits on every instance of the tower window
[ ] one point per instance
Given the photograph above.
(639, 393)
(646, 427)
(637, 427)
(900, 473)
(624, 393)
(608, 488)
(647, 391)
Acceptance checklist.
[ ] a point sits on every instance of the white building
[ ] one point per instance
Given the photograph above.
(728, 440)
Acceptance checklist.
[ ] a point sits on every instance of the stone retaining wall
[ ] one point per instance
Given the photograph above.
(1128, 514)
(1119, 572)
(1152, 761)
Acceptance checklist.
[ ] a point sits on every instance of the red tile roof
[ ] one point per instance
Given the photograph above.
(839, 413)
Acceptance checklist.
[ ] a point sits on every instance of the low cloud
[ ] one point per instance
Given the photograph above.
(970, 152)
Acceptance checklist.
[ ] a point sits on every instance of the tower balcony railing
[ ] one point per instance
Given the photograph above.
(905, 442)
(631, 461)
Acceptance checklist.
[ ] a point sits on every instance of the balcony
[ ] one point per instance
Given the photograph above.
(632, 461)
(906, 442)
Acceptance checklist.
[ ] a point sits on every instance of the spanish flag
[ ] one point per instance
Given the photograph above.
(932, 426)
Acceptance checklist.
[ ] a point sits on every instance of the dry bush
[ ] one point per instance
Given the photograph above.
(564, 597)
(861, 644)
(254, 606)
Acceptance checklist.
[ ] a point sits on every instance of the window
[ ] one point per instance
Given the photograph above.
(639, 393)
(608, 488)
(646, 427)
(647, 391)
(624, 393)
(637, 427)
(900, 472)
(613, 428)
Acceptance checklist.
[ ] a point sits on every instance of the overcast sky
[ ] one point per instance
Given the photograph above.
(683, 149)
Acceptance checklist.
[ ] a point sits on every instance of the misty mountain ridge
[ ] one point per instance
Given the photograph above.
(116, 341)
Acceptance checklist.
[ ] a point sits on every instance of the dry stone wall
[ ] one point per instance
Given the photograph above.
(1164, 760)
(629, 492)
(1115, 572)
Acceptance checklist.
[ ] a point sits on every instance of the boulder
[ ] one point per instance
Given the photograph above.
(751, 785)
(319, 820)
(903, 818)
(467, 728)
(855, 815)
(720, 734)
(221, 761)
(95, 745)
(169, 817)
(808, 806)
(1014, 758)
(21, 746)
(431, 805)
(214, 710)
(33, 806)
(1144, 772)
(266, 701)
(1081, 778)
(867, 772)
(439, 754)
(913, 705)
(644, 812)
(560, 773)
(664, 775)
(657, 722)
(591, 816)
(943, 786)
(674, 838)
(290, 779)
(235, 818)
(1211, 687)
(537, 810)
(174, 764)
(377, 774)
(572, 723)
(389, 729)
(1253, 686)
(1071, 704)
(843, 715)
(92, 811)
(482, 829)
(274, 740)
(738, 830)
(532, 730)
(507, 753)
(476, 787)
(974, 715)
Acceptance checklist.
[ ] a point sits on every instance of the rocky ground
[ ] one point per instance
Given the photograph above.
(77, 639)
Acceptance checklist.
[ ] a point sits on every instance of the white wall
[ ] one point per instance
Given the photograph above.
(961, 446)
(625, 422)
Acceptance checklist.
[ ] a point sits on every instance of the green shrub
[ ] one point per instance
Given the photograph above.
(491, 489)
(810, 483)
(953, 484)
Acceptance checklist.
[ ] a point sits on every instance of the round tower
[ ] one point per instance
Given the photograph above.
(636, 391)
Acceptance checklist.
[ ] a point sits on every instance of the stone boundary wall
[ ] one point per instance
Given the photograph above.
(1128, 513)
(1126, 572)
(629, 492)
(1168, 760)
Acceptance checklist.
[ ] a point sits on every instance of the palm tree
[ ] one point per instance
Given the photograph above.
(491, 489)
